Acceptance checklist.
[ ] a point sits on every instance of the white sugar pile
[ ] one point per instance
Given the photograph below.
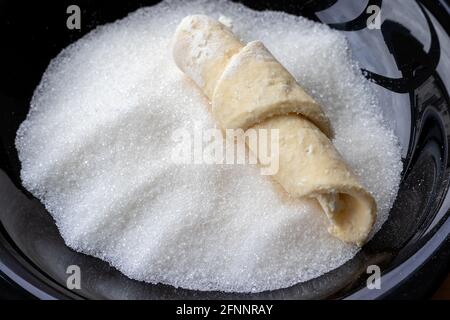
(96, 150)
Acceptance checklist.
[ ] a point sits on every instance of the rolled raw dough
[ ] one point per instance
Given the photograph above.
(249, 88)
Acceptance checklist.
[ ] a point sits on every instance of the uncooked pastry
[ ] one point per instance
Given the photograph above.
(249, 88)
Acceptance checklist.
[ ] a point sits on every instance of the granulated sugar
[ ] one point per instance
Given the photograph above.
(96, 150)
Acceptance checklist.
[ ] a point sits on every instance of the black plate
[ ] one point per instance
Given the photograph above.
(408, 60)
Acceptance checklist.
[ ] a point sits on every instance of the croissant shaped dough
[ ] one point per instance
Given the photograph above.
(249, 88)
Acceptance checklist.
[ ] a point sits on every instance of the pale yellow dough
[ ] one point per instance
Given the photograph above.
(249, 88)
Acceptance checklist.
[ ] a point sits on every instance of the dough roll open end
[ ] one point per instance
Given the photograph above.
(249, 88)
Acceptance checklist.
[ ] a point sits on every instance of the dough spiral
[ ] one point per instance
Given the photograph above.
(249, 88)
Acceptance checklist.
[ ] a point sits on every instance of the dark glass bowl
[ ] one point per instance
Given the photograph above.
(408, 61)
